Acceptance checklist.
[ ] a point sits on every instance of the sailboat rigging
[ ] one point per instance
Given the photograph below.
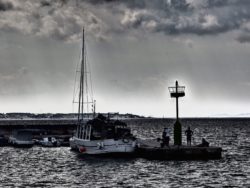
(99, 135)
(85, 97)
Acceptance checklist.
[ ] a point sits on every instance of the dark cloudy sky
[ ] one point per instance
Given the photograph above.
(136, 49)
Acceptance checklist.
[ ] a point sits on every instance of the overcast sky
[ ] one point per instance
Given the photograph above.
(136, 50)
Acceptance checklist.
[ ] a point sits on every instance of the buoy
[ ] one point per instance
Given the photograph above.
(82, 149)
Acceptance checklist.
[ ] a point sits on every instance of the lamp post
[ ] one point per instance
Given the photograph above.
(176, 92)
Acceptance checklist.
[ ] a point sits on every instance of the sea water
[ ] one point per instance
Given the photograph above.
(60, 167)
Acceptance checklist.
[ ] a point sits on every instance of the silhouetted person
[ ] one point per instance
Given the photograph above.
(165, 137)
(189, 134)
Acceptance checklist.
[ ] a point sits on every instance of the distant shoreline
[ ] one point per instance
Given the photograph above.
(116, 115)
(26, 116)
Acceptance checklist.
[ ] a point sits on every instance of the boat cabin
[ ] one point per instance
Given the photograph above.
(103, 128)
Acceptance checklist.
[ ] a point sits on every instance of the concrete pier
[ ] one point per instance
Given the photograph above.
(151, 149)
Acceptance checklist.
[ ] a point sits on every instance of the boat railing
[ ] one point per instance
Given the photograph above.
(85, 132)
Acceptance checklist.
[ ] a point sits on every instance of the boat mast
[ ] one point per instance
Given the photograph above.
(81, 90)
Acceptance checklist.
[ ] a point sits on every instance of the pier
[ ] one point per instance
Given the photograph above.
(153, 149)
(150, 149)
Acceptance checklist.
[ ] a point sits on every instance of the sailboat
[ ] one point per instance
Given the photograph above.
(99, 135)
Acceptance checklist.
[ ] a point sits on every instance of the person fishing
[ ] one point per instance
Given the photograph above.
(165, 137)
(189, 134)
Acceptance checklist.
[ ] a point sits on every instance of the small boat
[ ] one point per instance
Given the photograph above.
(21, 138)
(49, 142)
(100, 135)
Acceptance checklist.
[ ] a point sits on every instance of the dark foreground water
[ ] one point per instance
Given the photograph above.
(59, 167)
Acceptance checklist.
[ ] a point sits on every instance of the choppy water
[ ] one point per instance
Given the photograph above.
(60, 167)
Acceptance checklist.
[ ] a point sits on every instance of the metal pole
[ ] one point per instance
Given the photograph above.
(177, 103)
(83, 71)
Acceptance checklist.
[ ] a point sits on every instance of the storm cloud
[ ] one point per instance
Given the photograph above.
(5, 5)
(64, 19)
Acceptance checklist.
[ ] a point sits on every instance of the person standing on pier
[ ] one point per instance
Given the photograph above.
(189, 134)
(165, 137)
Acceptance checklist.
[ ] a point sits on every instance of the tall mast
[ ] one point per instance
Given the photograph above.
(81, 90)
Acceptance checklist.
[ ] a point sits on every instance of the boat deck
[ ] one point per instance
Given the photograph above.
(151, 149)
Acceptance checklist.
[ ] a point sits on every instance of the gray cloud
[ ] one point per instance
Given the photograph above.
(243, 38)
(63, 19)
(45, 3)
(5, 5)
(56, 19)
(188, 18)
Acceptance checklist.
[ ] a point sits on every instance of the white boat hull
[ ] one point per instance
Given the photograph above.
(52, 142)
(21, 143)
(106, 146)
